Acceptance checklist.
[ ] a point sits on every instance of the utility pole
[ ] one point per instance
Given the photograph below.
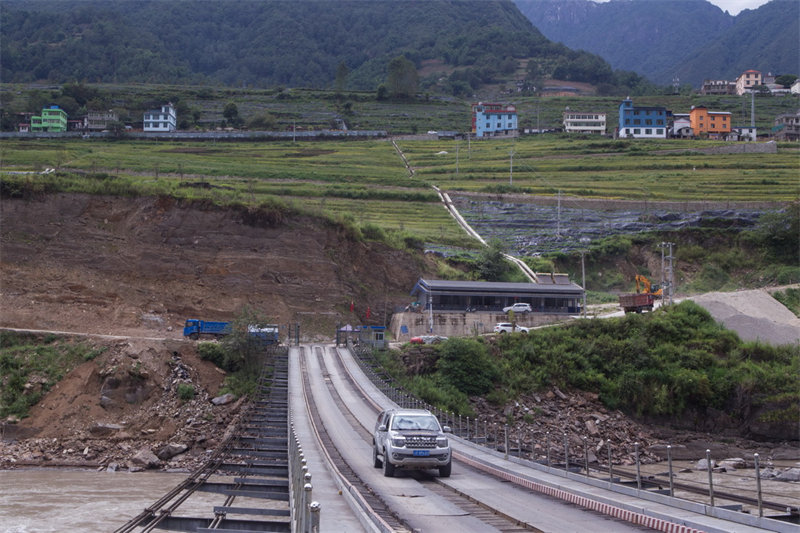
(670, 278)
(584, 242)
(457, 159)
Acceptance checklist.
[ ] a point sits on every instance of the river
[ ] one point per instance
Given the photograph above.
(48, 500)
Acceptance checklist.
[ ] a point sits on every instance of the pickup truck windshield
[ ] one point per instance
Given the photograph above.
(415, 422)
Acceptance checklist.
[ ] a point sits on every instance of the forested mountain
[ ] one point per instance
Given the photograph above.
(665, 39)
(457, 45)
(765, 39)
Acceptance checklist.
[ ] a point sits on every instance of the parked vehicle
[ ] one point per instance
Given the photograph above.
(518, 308)
(636, 303)
(508, 327)
(410, 439)
(194, 328)
(643, 299)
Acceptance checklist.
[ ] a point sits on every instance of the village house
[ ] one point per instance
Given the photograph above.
(494, 119)
(99, 120)
(641, 122)
(714, 124)
(787, 127)
(162, 120)
(681, 126)
(52, 120)
(718, 87)
(584, 122)
(747, 80)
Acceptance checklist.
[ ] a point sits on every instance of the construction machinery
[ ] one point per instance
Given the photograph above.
(643, 285)
(643, 299)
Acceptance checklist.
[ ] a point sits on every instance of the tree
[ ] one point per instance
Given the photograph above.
(466, 364)
(263, 121)
(231, 114)
(492, 265)
(244, 351)
(402, 80)
(785, 79)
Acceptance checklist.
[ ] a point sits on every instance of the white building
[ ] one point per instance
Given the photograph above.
(747, 80)
(163, 119)
(796, 86)
(744, 133)
(681, 126)
(584, 122)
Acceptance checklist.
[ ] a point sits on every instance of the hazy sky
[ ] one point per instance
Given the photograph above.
(734, 6)
(731, 6)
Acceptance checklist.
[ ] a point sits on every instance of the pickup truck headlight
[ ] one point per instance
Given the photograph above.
(441, 442)
(399, 442)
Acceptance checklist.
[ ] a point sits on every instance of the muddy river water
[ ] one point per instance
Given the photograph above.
(48, 500)
(58, 500)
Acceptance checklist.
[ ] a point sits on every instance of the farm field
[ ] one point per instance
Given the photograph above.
(365, 183)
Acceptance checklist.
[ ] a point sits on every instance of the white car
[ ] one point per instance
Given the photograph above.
(410, 439)
(508, 327)
(518, 308)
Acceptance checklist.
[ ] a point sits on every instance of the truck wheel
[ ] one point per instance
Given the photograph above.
(377, 463)
(444, 471)
(388, 468)
(194, 336)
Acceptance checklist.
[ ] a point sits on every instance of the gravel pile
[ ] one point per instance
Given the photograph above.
(754, 315)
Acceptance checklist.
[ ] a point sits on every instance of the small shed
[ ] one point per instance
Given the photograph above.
(374, 336)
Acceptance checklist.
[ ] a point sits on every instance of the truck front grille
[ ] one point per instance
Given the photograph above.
(420, 442)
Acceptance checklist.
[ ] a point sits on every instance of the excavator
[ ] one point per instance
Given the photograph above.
(643, 285)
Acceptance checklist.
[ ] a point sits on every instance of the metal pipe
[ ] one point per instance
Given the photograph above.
(566, 453)
(758, 486)
(610, 464)
(669, 461)
(505, 451)
(710, 477)
(638, 469)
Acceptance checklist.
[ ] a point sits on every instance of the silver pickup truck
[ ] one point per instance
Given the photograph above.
(410, 439)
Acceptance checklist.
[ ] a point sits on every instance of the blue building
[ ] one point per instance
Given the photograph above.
(642, 122)
(494, 119)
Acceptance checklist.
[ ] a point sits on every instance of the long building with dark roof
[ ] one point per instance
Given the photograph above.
(553, 294)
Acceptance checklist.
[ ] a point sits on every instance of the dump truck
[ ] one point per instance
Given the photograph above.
(637, 302)
(194, 328)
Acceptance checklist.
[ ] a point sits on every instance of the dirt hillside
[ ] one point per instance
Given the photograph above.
(136, 269)
(142, 266)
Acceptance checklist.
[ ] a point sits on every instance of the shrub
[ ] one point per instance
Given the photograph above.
(466, 365)
(211, 351)
(185, 391)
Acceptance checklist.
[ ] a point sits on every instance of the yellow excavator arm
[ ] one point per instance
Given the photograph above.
(643, 285)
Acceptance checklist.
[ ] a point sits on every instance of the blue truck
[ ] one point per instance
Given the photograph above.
(194, 328)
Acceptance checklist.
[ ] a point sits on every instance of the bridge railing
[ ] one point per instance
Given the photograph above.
(558, 451)
(304, 510)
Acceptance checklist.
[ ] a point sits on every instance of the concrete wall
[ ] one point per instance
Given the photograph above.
(459, 324)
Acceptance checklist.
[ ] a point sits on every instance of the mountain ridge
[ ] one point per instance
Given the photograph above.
(685, 41)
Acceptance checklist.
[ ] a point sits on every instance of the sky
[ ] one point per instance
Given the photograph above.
(731, 6)
(734, 6)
